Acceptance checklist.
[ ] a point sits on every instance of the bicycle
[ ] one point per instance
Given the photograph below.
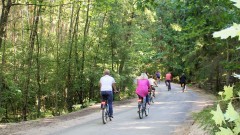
(142, 109)
(151, 96)
(105, 110)
(168, 84)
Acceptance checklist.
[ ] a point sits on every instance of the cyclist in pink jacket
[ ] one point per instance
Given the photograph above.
(143, 86)
(168, 79)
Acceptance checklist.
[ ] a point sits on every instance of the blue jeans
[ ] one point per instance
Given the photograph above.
(108, 95)
(145, 99)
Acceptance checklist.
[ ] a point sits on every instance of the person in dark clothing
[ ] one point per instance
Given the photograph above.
(183, 79)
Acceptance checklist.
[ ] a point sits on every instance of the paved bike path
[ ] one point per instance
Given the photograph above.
(171, 109)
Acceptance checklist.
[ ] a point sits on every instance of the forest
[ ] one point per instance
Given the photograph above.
(53, 52)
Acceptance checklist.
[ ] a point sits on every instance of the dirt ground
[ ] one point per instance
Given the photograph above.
(187, 128)
(191, 127)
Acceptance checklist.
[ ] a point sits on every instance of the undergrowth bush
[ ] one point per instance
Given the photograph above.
(222, 118)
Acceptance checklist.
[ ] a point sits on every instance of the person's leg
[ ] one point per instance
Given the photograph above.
(110, 101)
(145, 100)
(183, 86)
(153, 91)
(169, 84)
(142, 99)
(104, 97)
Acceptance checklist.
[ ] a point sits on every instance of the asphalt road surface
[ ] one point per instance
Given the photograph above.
(170, 110)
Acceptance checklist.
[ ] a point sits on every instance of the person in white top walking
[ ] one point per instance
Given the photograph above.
(107, 85)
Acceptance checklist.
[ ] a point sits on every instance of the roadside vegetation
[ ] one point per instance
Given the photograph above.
(53, 52)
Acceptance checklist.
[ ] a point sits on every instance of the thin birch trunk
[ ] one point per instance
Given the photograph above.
(85, 36)
(33, 35)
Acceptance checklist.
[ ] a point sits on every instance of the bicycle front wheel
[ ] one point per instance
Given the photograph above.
(146, 110)
(151, 99)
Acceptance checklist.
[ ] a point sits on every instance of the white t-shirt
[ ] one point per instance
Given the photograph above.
(151, 81)
(106, 83)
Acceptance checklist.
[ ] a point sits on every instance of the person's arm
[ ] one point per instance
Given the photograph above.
(114, 87)
(100, 85)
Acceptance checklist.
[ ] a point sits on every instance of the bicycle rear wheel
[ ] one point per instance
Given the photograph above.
(104, 115)
(140, 111)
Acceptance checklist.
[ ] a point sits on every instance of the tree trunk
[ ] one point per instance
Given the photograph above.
(69, 77)
(92, 78)
(33, 35)
(228, 60)
(85, 36)
(3, 85)
(58, 40)
(78, 79)
(39, 91)
(6, 5)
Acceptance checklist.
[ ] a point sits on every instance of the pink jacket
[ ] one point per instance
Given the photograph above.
(142, 87)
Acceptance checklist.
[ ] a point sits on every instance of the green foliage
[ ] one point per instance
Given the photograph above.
(230, 118)
(204, 119)
(231, 114)
(228, 93)
(225, 131)
(218, 116)
(232, 32)
(236, 3)
(2, 110)
(127, 37)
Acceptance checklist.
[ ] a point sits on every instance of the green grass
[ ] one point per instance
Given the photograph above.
(204, 118)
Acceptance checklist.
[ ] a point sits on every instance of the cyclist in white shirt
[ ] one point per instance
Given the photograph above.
(153, 84)
(107, 85)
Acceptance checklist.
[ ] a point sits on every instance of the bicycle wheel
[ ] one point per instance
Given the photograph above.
(140, 110)
(152, 99)
(146, 110)
(104, 115)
